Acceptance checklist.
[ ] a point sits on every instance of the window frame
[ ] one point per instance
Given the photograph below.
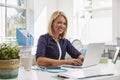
(4, 37)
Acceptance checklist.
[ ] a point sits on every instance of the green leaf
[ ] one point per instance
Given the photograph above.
(9, 52)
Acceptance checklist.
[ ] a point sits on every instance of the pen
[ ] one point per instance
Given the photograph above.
(61, 76)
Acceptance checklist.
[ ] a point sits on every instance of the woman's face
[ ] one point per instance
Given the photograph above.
(59, 25)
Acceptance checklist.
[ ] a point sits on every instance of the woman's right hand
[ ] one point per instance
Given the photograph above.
(76, 62)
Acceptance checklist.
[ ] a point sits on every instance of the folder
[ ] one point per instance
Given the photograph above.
(24, 37)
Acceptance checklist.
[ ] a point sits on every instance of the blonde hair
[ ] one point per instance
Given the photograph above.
(54, 16)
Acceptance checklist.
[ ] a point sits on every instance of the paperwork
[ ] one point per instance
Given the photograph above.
(83, 74)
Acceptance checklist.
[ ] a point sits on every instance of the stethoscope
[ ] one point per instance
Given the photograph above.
(51, 70)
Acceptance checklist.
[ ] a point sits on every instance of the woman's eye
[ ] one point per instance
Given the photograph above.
(59, 22)
(64, 23)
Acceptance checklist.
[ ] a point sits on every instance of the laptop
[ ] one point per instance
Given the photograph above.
(92, 57)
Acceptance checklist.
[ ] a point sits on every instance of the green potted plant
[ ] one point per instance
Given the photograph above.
(9, 61)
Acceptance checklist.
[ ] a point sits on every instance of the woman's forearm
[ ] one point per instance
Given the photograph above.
(47, 62)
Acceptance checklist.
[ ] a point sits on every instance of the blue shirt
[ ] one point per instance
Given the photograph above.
(47, 47)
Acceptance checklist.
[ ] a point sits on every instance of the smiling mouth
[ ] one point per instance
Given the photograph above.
(60, 29)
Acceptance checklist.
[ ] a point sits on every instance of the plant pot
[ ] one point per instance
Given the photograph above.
(9, 68)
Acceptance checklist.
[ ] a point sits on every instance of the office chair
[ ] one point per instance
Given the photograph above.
(77, 44)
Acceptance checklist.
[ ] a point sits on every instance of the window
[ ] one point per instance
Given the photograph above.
(12, 16)
(93, 20)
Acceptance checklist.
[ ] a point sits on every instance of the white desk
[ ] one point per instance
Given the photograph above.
(39, 75)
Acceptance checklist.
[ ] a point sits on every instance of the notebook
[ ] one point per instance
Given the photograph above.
(92, 57)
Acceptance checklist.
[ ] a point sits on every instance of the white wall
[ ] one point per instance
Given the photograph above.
(30, 16)
(43, 9)
(116, 19)
(42, 12)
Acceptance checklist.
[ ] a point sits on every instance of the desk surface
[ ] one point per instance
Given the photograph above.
(39, 75)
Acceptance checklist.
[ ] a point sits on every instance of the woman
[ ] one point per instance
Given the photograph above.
(52, 47)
